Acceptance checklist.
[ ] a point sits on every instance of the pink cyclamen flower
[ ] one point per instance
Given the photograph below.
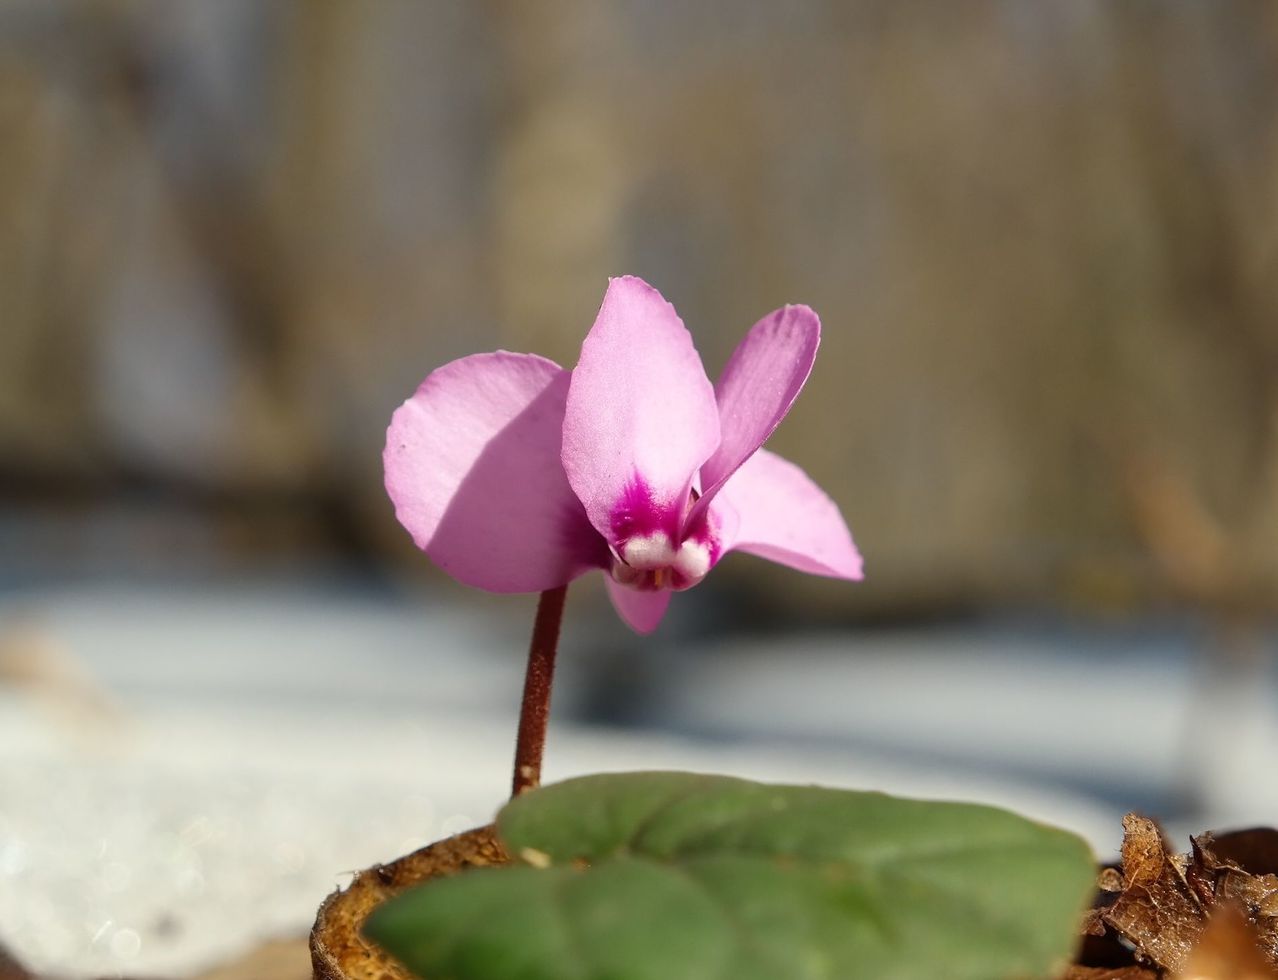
(516, 475)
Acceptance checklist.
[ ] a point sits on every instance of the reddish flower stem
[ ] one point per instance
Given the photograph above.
(530, 744)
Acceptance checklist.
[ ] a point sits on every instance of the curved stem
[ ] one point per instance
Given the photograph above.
(530, 744)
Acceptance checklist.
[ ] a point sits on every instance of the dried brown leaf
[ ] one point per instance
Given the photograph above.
(10, 968)
(1110, 880)
(1240, 868)
(1211, 914)
(1093, 924)
(1157, 911)
(1108, 973)
(1229, 949)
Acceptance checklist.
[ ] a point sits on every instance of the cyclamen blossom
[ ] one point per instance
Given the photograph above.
(516, 475)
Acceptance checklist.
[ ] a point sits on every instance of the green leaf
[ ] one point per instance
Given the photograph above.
(676, 876)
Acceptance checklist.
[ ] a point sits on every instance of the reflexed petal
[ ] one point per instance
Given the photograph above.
(785, 517)
(759, 384)
(641, 611)
(472, 466)
(641, 415)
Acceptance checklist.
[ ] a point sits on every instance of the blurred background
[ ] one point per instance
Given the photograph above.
(234, 236)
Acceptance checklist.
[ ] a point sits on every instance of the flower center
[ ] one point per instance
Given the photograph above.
(649, 562)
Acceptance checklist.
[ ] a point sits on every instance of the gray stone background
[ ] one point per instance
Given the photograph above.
(1042, 237)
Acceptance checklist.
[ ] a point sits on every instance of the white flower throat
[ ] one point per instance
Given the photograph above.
(650, 562)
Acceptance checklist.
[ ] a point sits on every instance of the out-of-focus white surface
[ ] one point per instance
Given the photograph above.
(210, 765)
(1145, 721)
(171, 845)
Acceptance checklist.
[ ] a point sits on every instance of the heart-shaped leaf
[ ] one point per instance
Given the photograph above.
(676, 876)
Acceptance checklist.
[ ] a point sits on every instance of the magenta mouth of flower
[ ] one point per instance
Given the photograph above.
(650, 562)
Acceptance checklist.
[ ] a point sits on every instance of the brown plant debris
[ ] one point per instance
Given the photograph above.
(1211, 914)
(10, 968)
(1229, 949)
(1156, 910)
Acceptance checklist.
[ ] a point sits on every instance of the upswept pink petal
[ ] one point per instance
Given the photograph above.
(641, 611)
(785, 517)
(759, 384)
(641, 415)
(472, 466)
